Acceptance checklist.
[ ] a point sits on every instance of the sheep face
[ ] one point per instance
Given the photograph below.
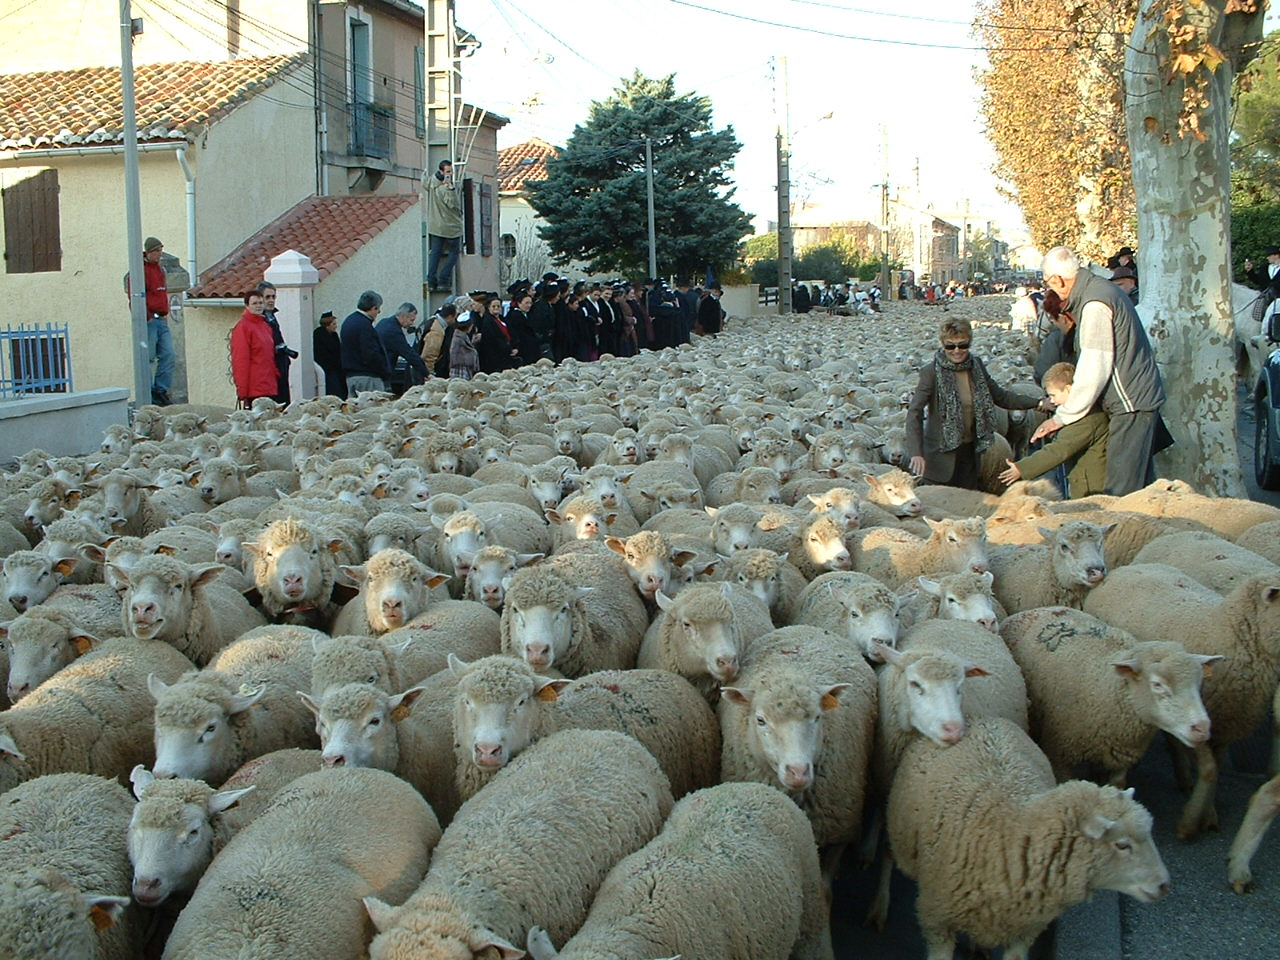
(356, 724)
(30, 576)
(731, 533)
(491, 572)
(1076, 549)
(47, 500)
(896, 492)
(785, 731)
(1163, 682)
(434, 933)
(823, 543)
(629, 413)
(841, 504)
(395, 587)
(495, 710)
(170, 837)
(567, 439)
(1126, 859)
(964, 596)
(759, 572)
(38, 648)
(121, 495)
(963, 544)
(625, 447)
(670, 495)
(160, 596)
(707, 642)
(44, 910)
(220, 480)
(445, 461)
(194, 738)
(932, 682)
(543, 633)
(462, 536)
(583, 518)
(289, 563)
(605, 487)
(547, 492)
(650, 561)
(870, 618)
(773, 454)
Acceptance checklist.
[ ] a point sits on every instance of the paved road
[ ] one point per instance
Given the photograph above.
(1200, 919)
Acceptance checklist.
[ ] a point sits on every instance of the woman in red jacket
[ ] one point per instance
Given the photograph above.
(253, 349)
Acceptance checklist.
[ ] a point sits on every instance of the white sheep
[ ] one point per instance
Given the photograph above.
(820, 547)
(956, 596)
(31, 576)
(987, 810)
(651, 561)
(1097, 695)
(464, 534)
(244, 704)
(181, 604)
(1059, 572)
(64, 871)
(853, 605)
(754, 848)
(395, 587)
(557, 818)
(1217, 563)
(896, 557)
(577, 613)
(581, 517)
(46, 638)
(1262, 539)
(1156, 602)
(772, 578)
(801, 717)
(422, 646)
(491, 570)
(93, 716)
(294, 568)
(302, 867)
(501, 706)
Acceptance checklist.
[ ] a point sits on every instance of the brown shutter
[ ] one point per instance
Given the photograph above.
(32, 235)
(469, 216)
(486, 220)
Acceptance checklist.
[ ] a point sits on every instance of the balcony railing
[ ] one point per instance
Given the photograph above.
(34, 358)
(371, 130)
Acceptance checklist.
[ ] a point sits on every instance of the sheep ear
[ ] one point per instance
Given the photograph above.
(155, 686)
(1270, 594)
(438, 521)
(553, 515)
(681, 557)
(539, 944)
(1095, 826)
(225, 799)
(402, 705)
(548, 690)
(973, 670)
(104, 911)
(1128, 666)
(249, 547)
(334, 545)
(647, 495)
(433, 579)
(1046, 533)
(83, 642)
(664, 602)
(380, 913)
(581, 592)
(736, 695)
(483, 940)
(524, 559)
(988, 578)
(140, 777)
(726, 589)
(204, 573)
(831, 696)
(352, 574)
(711, 511)
(883, 653)
(119, 572)
(931, 587)
(1206, 663)
(609, 518)
(815, 499)
(457, 666)
(616, 544)
(93, 553)
(243, 699)
(309, 703)
(65, 566)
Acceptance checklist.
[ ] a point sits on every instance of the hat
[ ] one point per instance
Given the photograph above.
(1125, 273)
(1273, 251)
(1123, 251)
(327, 314)
(151, 243)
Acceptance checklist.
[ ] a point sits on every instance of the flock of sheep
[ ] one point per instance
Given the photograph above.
(616, 658)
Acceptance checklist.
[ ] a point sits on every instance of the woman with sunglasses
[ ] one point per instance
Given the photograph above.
(961, 398)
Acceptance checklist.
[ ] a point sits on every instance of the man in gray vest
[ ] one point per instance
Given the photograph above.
(1116, 370)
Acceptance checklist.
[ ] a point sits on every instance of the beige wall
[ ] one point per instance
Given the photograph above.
(53, 36)
(208, 336)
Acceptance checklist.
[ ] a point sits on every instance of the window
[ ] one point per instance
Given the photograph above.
(507, 246)
(469, 216)
(361, 62)
(419, 92)
(32, 235)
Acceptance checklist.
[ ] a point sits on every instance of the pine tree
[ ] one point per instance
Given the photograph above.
(594, 203)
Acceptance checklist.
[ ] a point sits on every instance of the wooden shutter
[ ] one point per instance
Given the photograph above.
(419, 92)
(469, 216)
(486, 220)
(32, 235)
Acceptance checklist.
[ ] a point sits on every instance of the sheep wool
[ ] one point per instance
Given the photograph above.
(531, 848)
(998, 851)
(744, 841)
(302, 867)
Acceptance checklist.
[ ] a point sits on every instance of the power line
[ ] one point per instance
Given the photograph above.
(921, 19)
(17, 10)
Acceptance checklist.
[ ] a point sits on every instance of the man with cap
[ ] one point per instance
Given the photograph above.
(1123, 258)
(444, 227)
(1127, 280)
(1262, 277)
(159, 338)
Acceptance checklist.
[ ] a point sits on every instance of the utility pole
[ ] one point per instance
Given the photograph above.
(133, 215)
(653, 232)
(783, 114)
(884, 217)
(443, 94)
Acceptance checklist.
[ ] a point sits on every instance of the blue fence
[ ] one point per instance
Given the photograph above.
(35, 358)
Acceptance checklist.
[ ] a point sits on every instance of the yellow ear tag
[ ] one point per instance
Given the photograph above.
(829, 701)
(548, 694)
(82, 644)
(399, 713)
(102, 919)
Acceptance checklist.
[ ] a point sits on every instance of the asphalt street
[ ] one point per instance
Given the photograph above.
(1200, 918)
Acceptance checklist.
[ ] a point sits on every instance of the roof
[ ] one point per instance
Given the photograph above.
(329, 230)
(524, 162)
(65, 108)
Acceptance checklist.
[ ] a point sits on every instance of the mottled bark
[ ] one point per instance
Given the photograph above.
(1182, 185)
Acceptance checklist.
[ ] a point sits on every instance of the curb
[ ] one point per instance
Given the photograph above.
(1090, 930)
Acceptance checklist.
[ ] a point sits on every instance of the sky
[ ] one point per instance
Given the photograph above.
(543, 61)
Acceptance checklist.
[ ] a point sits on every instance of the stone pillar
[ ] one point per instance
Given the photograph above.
(295, 279)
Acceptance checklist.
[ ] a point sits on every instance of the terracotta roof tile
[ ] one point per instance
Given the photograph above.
(329, 230)
(65, 108)
(523, 162)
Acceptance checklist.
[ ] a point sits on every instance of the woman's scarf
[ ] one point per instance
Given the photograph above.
(947, 398)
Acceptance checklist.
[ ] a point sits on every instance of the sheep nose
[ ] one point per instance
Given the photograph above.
(1095, 575)
(292, 583)
(727, 667)
(334, 760)
(915, 508)
(841, 560)
(17, 691)
(18, 601)
(952, 732)
(988, 623)
(564, 446)
(1162, 890)
(978, 566)
(799, 774)
(143, 610)
(224, 556)
(537, 654)
(591, 527)
(774, 498)
(1199, 731)
(393, 606)
(741, 545)
(489, 754)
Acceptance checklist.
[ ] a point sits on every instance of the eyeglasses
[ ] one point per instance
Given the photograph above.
(956, 346)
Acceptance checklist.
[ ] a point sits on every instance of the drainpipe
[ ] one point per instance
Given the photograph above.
(191, 214)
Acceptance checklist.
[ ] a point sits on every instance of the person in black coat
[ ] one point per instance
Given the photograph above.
(523, 338)
(327, 350)
(800, 302)
(610, 322)
(542, 317)
(391, 331)
(495, 346)
(284, 356)
(710, 316)
(364, 362)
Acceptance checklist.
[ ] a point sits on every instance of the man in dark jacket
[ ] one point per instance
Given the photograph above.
(800, 299)
(364, 362)
(391, 331)
(710, 314)
(284, 355)
(327, 349)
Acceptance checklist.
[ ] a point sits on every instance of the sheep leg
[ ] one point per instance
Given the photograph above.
(1019, 949)
(1263, 807)
(871, 838)
(1200, 814)
(1181, 768)
(830, 859)
(878, 911)
(1118, 778)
